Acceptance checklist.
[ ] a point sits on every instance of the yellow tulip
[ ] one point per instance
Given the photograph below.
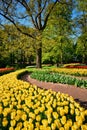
(37, 124)
(1, 109)
(13, 114)
(38, 118)
(69, 122)
(49, 120)
(57, 122)
(13, 123)
(72, 111)
(61, 128)
(19, 124)
(45, 122)
(5, 122)
(83, 127)
(36, 111)
(31, 126)
(11, 128)
(55, 115)
(53, 126)
(24, 117)
(18, 128)
(32, 115)
(63, 120)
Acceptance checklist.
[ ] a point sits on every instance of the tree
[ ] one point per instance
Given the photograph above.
(34, 13)
(17, 47)
(81, 24)
(59, 30)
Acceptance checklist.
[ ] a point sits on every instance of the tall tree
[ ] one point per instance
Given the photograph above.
(16, 46)
(81, 24)
(33, 13)
(60, 28)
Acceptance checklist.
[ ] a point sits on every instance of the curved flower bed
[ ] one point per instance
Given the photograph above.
(6, 70)
(58, 78)
(70, 71)
(75, 65)
(26, 107)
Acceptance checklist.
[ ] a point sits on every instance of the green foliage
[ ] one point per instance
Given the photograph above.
(57, 39)
(15, 48)
(58, 78)
(81, 26)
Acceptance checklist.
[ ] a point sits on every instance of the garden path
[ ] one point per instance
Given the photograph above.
(79, 94)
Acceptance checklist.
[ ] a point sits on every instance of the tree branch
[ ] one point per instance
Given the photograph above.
(39, 13)
(47, 16)
(23, 17)
(12, 21)
(23, 3)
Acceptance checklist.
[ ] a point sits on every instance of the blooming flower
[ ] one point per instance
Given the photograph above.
(4, 122)
(26, 107)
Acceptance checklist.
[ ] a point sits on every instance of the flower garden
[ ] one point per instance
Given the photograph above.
(70, 71)
(26, 107)
(75, 65)
(62, 75)
(6, 70)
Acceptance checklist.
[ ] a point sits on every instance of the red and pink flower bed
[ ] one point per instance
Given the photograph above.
(6, 70)
(76, 65)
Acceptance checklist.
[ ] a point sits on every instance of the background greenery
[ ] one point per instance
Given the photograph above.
(64, 38)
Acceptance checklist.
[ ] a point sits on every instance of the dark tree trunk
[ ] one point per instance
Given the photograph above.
(39, 57)
(83, 58)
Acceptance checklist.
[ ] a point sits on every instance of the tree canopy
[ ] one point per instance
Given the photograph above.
(47, 26)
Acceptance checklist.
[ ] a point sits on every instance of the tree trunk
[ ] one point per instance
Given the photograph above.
(39, 56)
(61, 58)
(83, 58)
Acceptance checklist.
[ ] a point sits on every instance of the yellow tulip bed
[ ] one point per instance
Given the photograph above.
(71, 64)
(71, 71)
(26, 107)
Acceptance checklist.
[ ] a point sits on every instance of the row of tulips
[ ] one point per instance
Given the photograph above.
(70, 71)
(26, 107)
(75, 65)
(71, 64)
(6, 70)
(58, 78)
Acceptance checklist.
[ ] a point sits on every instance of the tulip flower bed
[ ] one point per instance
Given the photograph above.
(70, 71)
(26, 107)
(58, 78)
(75, 65)
(71, 64)
(6, 70)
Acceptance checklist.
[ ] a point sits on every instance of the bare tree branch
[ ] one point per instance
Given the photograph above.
(24, 3)
(22, 17)
(39, 13)
(12, 21)
(47, 16)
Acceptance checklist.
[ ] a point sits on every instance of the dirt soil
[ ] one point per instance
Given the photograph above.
(79, 94)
